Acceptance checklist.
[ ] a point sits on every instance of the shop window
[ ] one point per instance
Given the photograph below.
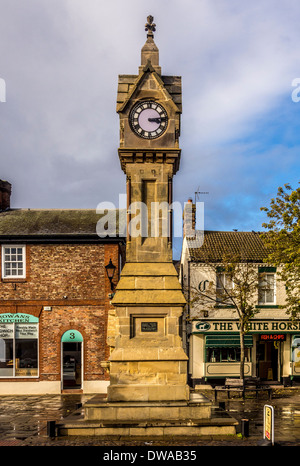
(13, 261)
(266, 288)
(296, 350)
(18, 349)
(226, 354)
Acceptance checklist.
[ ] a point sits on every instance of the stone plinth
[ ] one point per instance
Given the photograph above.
(148, 362)
(97, 409)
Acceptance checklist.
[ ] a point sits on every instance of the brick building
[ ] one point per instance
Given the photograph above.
(55, 311)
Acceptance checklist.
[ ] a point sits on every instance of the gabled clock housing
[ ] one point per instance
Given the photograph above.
(164, 92)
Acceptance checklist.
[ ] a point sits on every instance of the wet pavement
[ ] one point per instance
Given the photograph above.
(23, 421)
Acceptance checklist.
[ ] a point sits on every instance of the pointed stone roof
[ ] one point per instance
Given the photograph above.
(150, 53)
(128, 83)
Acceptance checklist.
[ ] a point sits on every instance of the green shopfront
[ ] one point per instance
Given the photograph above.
(272, 350)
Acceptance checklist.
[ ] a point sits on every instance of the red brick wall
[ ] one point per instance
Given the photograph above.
(72, 280)
(90, 321)
(55, 271)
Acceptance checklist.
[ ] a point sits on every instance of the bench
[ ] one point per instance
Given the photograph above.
(234, 385)
(249, 384)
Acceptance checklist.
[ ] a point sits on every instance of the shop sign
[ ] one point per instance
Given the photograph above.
(26, 331)
(72, 336)
(273, 337)
(12, 318)
(21, 331)
(202, 326)
(269, 423)
(254, 326)
(6, 331)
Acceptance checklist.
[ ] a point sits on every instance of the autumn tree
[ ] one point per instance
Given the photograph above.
(282, 238)
(236, 286)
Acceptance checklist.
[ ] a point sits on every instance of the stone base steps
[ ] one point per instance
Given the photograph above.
(141, 419)
(88, 428)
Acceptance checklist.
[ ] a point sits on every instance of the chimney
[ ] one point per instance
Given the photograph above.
(189, 219)
(5, 192)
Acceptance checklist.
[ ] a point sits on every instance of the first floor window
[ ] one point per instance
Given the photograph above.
(18, 350)
(224, 288)
(13, 261)
(266, 288)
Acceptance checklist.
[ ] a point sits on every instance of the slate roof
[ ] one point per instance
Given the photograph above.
(247, 245)
(16, 223)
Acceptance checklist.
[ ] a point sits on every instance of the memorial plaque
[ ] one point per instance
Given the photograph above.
(149, 326)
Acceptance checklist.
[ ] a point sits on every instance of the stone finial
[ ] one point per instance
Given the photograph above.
(150, 51)
(150, 27)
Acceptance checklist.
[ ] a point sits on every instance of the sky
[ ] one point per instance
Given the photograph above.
(240, 126)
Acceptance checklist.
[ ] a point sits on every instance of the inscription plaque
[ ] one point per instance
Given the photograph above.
(149, 326)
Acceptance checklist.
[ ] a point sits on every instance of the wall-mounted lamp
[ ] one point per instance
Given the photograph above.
(110, 270)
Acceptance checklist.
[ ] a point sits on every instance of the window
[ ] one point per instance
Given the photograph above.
(266, 288)
(223, 288)
(296, 350)
(226, 354)
(18, 346)
(13, 262)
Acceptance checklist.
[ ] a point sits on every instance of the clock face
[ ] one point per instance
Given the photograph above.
(148, 119)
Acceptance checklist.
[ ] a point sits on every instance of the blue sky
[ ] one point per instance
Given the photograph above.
(240, 128)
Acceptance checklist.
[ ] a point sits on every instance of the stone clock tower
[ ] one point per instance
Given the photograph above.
(148, 362)
(148, 394)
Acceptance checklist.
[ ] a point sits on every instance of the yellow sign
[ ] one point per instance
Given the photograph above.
(269, 423)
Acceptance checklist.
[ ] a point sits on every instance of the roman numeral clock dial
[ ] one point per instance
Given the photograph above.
(148, 120)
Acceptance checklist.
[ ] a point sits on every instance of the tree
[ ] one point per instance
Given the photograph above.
(283, 241)
(235, 285)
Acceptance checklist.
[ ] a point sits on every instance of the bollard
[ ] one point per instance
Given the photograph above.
(245, 427)
(51, 428)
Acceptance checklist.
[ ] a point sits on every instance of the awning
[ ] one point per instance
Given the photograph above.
(227, 340)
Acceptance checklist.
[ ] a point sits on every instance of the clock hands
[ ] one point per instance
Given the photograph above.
(157, 120)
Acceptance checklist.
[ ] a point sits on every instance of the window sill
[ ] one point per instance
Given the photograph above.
(267, 306)
(18, 377)
(224, 306)
(14, 280)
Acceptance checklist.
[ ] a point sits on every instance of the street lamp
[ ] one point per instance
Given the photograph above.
(110, 270)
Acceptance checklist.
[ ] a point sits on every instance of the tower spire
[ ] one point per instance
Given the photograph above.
(150, 51)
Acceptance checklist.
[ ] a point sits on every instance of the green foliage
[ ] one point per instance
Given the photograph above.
(282, 238)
